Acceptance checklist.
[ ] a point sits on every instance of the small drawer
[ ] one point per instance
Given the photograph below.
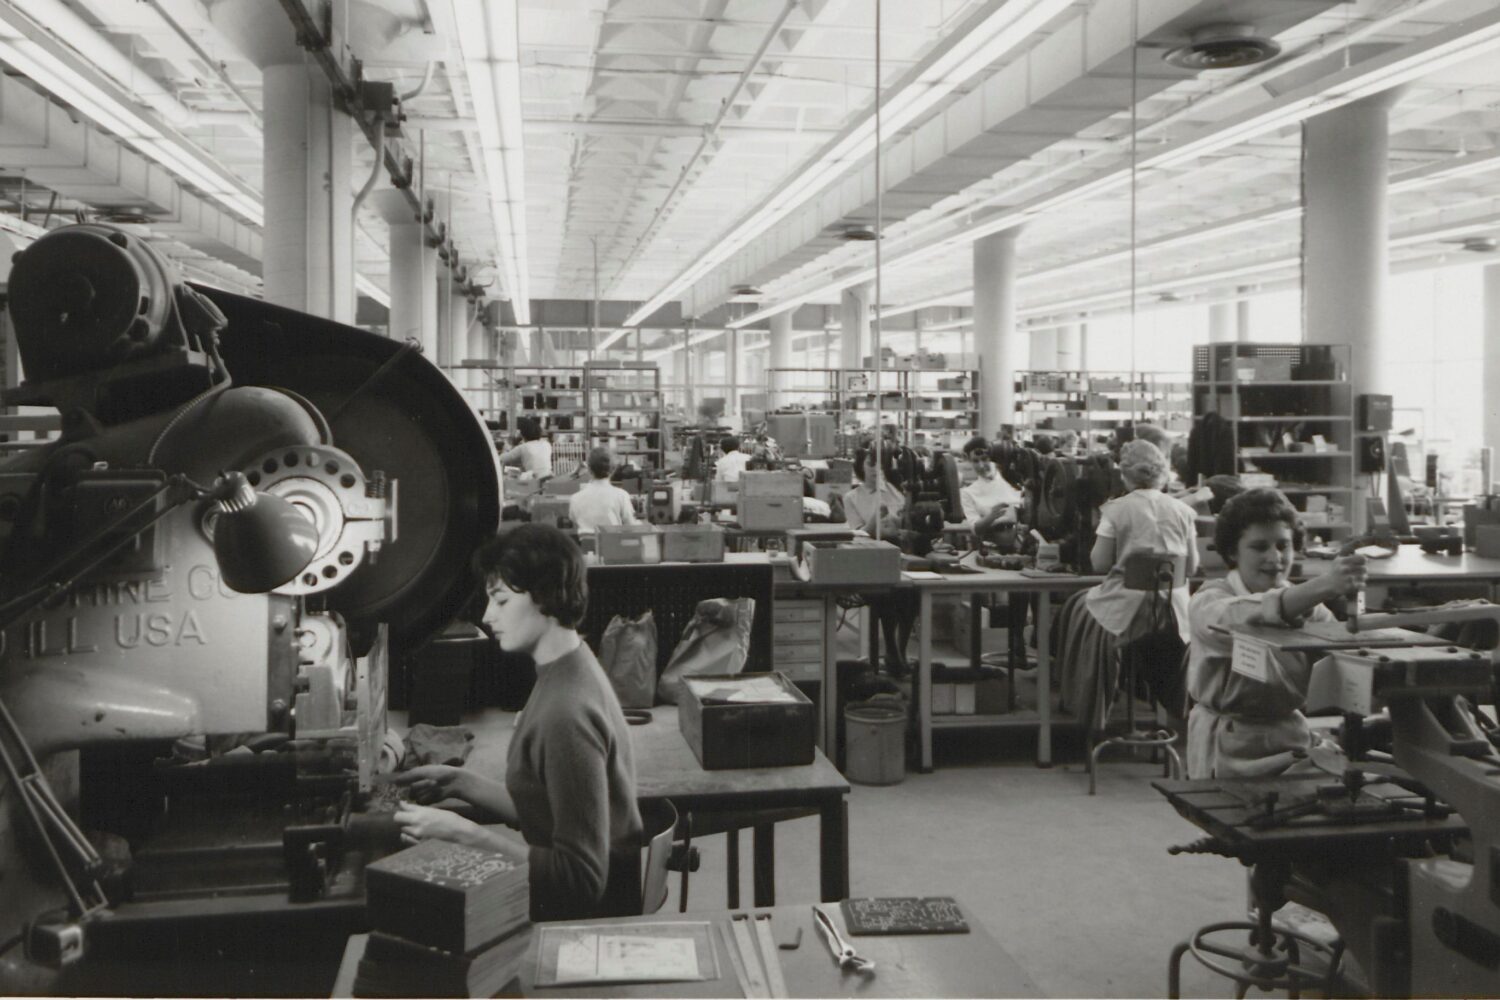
(798, 611)
(797, 652)
(802, 671)
(797, 631)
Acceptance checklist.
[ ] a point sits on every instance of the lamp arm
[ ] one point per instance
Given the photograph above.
(63, 575)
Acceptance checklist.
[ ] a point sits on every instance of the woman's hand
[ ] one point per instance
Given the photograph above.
(420, 823)
(1346, 577)
(435, 782)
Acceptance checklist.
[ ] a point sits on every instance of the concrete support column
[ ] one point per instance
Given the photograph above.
(1345, 229)
(1043, 350)
(1068, 348)
(732, 376)
(1083, 345)
(414, 312)
(996, 339)
(1223, 325)
(453, 320)
(1242, 331)
(307, 179)
(779, 353)
(854, 331)
(1491, 382)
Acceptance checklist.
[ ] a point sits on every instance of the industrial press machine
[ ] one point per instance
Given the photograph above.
(249, 512)
(1394, 833)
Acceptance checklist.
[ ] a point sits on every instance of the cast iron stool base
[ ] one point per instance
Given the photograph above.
(1275, 966)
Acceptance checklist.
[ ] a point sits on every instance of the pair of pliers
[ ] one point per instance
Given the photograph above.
(843, 951)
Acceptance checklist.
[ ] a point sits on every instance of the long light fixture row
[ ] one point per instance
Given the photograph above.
(1002, 29)
(1445, 47)
(80, 86)
(489, 39)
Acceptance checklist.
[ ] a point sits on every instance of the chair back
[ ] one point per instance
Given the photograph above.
(1149, 571)
(659, 820)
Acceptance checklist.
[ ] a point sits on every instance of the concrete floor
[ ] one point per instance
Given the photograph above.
(1080, 890)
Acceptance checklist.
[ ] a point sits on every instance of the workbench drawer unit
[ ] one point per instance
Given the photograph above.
(797, 639)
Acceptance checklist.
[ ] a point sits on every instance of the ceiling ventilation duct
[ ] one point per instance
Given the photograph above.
(1222, 46)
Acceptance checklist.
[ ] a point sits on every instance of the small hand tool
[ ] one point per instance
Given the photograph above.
(843, 951)
(775, 979)
(755, 978)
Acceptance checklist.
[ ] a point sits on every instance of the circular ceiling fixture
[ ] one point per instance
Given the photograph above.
(857, 233)
(1222, 46)
(746, 292)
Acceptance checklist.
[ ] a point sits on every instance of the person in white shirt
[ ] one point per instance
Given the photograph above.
(600, 502)
(732, 462)
(534, 453)
(876, 502)
(989, 500)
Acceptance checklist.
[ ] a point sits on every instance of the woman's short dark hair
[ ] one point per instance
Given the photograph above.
(1247, 509)
(729, 443)
(863, 456)
(976, 444)
(538, 560)
(530, 428)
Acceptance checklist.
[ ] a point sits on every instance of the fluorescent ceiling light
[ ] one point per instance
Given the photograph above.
(970, 50)
(1442, 48)
(489, 39)
(95, 100)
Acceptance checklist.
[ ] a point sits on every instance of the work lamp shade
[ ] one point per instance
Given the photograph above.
(261, 541)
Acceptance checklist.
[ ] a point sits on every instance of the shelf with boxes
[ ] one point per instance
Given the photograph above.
(1097, 403)
(624, 400)
(1280, 415)
(824, 411)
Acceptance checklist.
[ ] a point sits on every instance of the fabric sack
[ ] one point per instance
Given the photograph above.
(627, 652)
(716, 641)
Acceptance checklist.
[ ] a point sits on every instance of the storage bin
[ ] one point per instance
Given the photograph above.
(875, 743)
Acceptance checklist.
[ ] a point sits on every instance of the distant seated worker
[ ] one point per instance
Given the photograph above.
(534, 453)
(874, 505)
(732, 462)
(989, 501)
(570, 770)
(1243, 725)
(1067, 444)
(599, 502)
(1150, 432)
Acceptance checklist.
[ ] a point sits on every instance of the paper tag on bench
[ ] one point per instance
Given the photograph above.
(1252, 658)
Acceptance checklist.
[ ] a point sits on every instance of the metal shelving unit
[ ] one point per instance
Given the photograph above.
(1094, 403)
(624, 400)
(1257, 389)
(934, 407)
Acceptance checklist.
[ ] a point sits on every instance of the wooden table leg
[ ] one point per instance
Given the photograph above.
(1044, 679)
(763, 846)
(732, 868)
(833, 847)
(924, 680)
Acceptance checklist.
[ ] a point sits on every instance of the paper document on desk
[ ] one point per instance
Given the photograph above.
(627, 953)
(921, 574)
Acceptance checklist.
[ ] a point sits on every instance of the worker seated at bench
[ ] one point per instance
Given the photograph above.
(570, 771)
(989, 503)
(534, 454)
(600, 503)
(875, 502)
(1243, 725)
(1119, 613)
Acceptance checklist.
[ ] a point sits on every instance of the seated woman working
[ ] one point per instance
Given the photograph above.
(876, 503)
(570, 773)
(1144, 520)
(1242, 725)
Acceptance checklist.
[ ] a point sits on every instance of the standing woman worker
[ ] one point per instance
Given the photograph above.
(570, 774)
(1242, 725)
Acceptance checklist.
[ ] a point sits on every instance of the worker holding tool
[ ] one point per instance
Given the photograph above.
(1246, 718)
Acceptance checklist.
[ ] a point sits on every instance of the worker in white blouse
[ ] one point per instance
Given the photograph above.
(989, 500)
(732, 462)
(534, 453)
(600, 502)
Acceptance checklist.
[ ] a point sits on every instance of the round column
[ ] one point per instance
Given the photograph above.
(854, 330)
(779, 350)
(1492, 360)
(1345, 233)
(309, 253)
(996, 339)
(1242, 315)
(1223, 327)
(1068, 348)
